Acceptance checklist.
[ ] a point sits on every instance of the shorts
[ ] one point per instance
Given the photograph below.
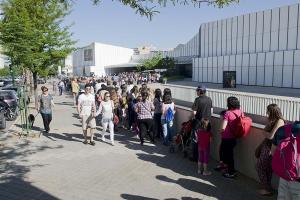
(88, 121)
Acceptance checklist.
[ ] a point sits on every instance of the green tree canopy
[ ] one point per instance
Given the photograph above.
(149, 7)
(157, 62)
(32, 35)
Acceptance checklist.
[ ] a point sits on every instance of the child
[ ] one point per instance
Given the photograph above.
(203, 136)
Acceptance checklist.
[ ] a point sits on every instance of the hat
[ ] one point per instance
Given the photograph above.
(201, 88)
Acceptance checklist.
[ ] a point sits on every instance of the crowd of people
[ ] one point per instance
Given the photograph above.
(126, 103)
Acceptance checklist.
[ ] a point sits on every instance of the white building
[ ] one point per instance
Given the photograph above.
(68, 68)
(97, 57)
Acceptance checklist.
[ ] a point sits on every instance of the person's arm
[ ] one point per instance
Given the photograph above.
(194, 108)
(79, 106)
(223, 125)
(136, 109)
(271, 134)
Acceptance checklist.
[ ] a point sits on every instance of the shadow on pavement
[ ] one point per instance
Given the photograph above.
(13, 184)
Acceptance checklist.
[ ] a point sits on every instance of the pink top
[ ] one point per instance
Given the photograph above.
(203, 139)
(229, 116)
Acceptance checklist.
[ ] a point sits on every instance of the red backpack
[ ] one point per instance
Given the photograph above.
(286, 159)
(241, 125)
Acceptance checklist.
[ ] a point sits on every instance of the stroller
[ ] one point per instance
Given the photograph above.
(183, 139)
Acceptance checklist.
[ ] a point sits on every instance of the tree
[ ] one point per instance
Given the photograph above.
(151, 63)
(32, 35)
(147, 7)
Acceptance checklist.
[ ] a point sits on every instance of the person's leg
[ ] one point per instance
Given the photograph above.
(264, 170)
(84, 128)
(283, 193)
(165, 132)
(294, 190)
(104, 127)
(44, 117)
(206, 151)
(200, 162)
(231, 146)
(49, 121)
(92, 125)
(142, 130)
(111, 131)
(149, 124)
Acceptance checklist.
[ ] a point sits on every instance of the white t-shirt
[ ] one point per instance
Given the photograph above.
(87, 104)
(98, 87)
(129, 87)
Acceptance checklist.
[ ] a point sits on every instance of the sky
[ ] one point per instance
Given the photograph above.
(112, 23)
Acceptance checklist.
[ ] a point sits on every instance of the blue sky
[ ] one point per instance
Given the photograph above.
(112, 23)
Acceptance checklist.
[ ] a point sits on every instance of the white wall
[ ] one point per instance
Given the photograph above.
(102, 55)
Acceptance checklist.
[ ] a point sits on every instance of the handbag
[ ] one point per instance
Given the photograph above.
(116, 119)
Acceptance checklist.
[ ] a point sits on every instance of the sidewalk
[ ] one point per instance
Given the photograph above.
(59, 166)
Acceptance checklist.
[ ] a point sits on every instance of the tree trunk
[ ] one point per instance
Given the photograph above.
(34, 74)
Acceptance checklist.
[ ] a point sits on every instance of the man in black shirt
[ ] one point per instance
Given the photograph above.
(202, 108)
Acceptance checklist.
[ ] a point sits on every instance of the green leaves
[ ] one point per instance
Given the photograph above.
(157, 62)
(148, 8)
(32, 35)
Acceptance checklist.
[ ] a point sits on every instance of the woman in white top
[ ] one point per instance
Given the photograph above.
(106, 109)
(167, 117)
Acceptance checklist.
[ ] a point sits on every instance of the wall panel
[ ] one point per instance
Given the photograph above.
(278, 63)
(200, 73)
(224, 36)
(228, 38)
(260, 69)
(283, 25)
(240, 35)
(274, 29)
(252, 33)
(204, 71)
(252, 69)
(219, 41)
(215, 34)
(269, 65)
(288, 69)
(296, 71)
(246, 33)
(202, 39)
(245, 69)
(215, 70)
(232, 63)
(267, 30)
(220, 69)
(226, 63)
(259, 32)
(239, 69)
(209, 69)
(234, 35)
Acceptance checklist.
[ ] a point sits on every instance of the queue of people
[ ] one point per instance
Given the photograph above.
(149, 112)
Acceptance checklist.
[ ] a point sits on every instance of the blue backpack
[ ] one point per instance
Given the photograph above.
(169, 115)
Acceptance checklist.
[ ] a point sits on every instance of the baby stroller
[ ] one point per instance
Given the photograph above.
(183, 139)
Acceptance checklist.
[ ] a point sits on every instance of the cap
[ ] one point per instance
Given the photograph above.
(201, 88)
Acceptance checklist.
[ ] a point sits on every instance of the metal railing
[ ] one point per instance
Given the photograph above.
(250, 102)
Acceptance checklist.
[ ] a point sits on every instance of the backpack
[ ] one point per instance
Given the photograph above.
(242, 126)
(286, 159)
(169, 116)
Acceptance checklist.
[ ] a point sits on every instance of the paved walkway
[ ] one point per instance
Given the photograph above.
(60, 166)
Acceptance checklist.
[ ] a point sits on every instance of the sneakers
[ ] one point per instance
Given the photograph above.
(103, 138)
(92, 143)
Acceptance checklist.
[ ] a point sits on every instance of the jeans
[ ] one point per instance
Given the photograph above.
(288, 190)
(167, 131)
(47, 118)
(110, 124)
(60, 90)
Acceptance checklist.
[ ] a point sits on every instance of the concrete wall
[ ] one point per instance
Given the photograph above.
(244, 151)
